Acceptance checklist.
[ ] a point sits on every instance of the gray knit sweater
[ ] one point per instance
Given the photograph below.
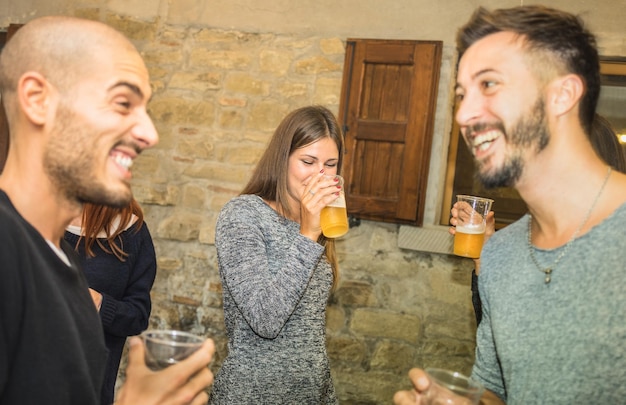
(275, 284)
(557, 343)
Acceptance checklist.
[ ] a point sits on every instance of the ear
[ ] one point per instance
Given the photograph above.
(34, 96)
(565, 93)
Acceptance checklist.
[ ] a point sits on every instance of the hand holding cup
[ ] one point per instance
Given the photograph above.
(471, 223)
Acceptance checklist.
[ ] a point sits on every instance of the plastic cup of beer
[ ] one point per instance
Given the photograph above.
(167, 347)
(451, 388)
(469, 235)
(334, 216)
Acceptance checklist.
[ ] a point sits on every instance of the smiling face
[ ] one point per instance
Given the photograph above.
(501, 112)
(100, 126)
(308, 161)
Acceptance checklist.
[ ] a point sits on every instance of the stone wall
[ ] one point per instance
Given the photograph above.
(218, 95)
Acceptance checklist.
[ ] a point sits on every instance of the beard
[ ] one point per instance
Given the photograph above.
(70, 161)
(531, 130)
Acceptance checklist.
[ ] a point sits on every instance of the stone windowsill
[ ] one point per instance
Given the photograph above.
(429, 238)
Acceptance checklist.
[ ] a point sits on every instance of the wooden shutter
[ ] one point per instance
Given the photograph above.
(4, 126)
(389, 93)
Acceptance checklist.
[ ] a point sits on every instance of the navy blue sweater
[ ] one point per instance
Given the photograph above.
(125, 288)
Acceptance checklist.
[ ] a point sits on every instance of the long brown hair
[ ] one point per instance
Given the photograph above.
(298, 129)
(100, 218)
(605, 143)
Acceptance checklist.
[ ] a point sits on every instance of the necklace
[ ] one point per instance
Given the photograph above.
(548, 270)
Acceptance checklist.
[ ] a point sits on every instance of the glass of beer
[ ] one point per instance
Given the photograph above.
(451, 388)
(167, 347)
(470, 228)
(334, 216)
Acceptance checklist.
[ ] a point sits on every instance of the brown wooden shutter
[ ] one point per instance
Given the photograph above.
(389, 93)
(4, 126)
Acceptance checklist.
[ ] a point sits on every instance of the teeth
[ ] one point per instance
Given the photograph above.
(123, 161)
(482, 141)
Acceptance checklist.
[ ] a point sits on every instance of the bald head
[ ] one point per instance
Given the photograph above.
(61, 49)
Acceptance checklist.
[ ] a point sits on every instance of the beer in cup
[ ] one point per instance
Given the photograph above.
(334, 216)
(470, 228)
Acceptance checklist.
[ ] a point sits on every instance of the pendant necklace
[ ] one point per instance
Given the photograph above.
(548, 270)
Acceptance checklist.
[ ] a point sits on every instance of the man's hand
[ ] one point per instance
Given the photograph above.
(181, 383)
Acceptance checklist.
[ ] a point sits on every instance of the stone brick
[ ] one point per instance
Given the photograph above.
(230, 38)
(355, 294)
(146, 163)
(185, 300)
(218, 172)
(335, 318)
(317, 65)
(219, 200)
(443, 347)
(182, 111)
(163, 56)
(165, 196)
(233, 101)
(195, 148)
(165, 263)
(276, 62)
(239, 154)
(146, 9)
(134, 29)
(385, 324)
(373, 387)
(346, 349)
(327, 91)
(207, 233)
(393, 356)
(193, 197)
(266, 115)
(294, 90)
(332, 46)
(245, 83)
(181, 226)
(88, 13)
(231, 119)
(195, 81)
(228, 60)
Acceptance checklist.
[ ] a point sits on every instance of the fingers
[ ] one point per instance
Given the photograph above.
(454, 212)
(193, 391)
(491, 224)
(419, 378)
(196, 362)
(201, 399)
(136, 352)
(405, 398)
(321, 186)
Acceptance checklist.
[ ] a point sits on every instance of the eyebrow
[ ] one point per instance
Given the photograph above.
(474, 76)
(316, 158)
(135, 89)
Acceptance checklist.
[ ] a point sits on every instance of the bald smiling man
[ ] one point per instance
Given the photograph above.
(75, 93)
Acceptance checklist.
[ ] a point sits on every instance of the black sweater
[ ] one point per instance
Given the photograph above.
(51, 345)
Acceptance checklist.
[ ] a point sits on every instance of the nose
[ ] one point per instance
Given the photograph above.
(469, 108)
(144, 131)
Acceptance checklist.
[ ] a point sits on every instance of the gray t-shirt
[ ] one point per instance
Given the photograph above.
(276, 284)
(557, 343)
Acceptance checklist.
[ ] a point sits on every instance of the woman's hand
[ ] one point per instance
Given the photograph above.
(96, 297)
(319, 191)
